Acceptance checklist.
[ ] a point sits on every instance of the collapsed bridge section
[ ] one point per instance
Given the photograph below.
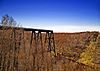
(26, 49)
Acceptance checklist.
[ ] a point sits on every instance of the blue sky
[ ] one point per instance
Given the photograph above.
(57, 15)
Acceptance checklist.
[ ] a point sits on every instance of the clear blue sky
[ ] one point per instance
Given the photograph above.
(51, 14)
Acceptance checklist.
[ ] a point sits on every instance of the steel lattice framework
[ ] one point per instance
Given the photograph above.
(41, 46)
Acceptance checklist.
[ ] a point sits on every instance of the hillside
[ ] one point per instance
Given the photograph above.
(74, 51)
(79, 46)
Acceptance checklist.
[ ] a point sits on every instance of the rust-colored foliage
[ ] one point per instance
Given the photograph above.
(37, 58)
(22, 50)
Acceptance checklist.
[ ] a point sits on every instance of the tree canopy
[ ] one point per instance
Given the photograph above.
(8, 21)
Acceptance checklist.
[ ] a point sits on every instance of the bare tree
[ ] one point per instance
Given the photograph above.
(8, 21)
(9, 47)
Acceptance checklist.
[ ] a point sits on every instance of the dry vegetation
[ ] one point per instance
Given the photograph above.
(80, 48)
(74, 51)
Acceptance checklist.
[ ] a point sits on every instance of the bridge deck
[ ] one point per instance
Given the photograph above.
(29, 29)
